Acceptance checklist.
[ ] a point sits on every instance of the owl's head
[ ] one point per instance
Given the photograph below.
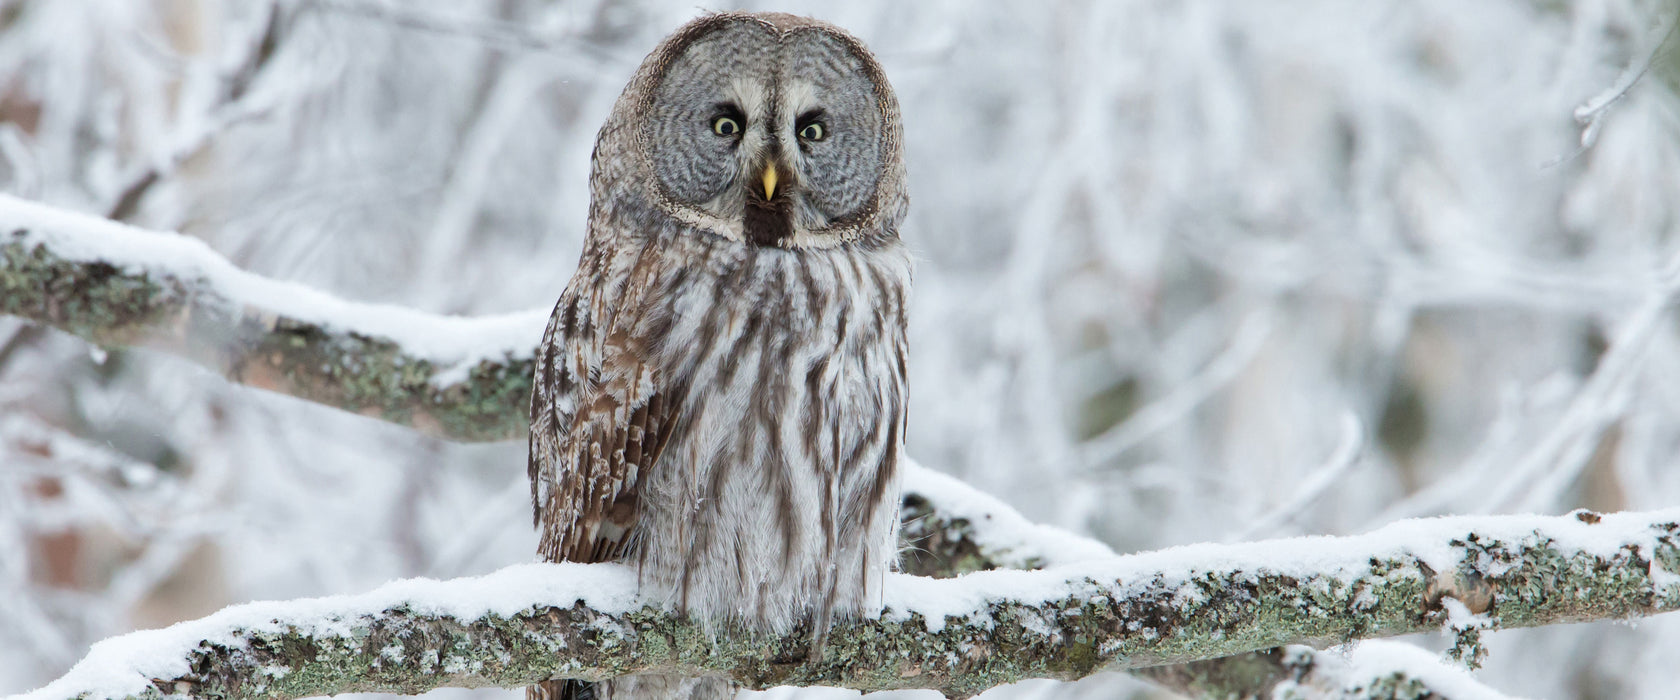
(770, 129)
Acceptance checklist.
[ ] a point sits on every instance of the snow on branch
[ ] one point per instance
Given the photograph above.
(960, 636)
(111, 284)
(951, 528)
(464, 379)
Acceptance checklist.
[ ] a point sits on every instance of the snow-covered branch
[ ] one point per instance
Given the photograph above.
(116, 285)
(951, 528)
(959, 636)
(453, 377)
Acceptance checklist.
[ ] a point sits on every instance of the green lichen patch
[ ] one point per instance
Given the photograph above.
(371, 376)
(94, 300)
(938, 546)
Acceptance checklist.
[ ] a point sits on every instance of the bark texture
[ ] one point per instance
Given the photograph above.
(120, 306)
(48, 276)
(1090, 621)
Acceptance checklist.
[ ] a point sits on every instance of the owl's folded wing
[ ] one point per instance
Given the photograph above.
(599, 420)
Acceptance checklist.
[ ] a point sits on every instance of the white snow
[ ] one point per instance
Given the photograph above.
(453, 343)
(1378, 658)
(1459, 617)
(1103, 198)
(1000, 529)
(1069, 558)
(126, 664)
(1425, 539)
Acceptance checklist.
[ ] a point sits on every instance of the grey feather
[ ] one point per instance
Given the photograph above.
(720, 395)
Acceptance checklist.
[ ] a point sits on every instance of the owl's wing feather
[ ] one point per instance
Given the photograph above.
(599, 420)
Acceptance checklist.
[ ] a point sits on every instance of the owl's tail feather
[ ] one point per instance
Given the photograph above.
(562, 690)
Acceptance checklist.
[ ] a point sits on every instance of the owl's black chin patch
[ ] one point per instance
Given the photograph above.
(766, 223)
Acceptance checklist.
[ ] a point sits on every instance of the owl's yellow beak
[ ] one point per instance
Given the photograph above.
(769, 181)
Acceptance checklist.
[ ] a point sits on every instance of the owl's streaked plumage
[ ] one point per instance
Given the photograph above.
(720, 394)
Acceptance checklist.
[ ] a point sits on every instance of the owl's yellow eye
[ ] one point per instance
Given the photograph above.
(726, 126)
(813, 132)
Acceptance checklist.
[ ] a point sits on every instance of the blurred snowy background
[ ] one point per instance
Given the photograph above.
(1190, 271)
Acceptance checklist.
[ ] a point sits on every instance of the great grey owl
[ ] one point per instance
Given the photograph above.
(720, 394)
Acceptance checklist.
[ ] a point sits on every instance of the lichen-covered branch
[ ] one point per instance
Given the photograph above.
(116, 285)
(960, 636)
(1370, 670)
(950, 529)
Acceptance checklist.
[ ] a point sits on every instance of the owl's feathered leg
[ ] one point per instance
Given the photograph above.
(563, 690)
(660, 686)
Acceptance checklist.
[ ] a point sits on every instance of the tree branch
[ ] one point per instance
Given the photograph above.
(464, 379)
(960, 636)
(950, 528)
(459, 378)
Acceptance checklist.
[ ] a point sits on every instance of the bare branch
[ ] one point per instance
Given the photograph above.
(231, 110)
(491, 33)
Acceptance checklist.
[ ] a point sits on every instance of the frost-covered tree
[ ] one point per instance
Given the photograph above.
(1190, 272)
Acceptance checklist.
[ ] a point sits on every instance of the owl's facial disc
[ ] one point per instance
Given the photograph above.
(773, 137)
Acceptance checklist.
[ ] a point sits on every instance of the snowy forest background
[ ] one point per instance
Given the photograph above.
(1190, 271)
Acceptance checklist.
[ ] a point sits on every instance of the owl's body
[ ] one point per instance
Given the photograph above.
(781, 417)
(720, 395)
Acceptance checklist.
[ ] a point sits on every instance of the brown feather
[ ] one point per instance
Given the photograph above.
(721, 405)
